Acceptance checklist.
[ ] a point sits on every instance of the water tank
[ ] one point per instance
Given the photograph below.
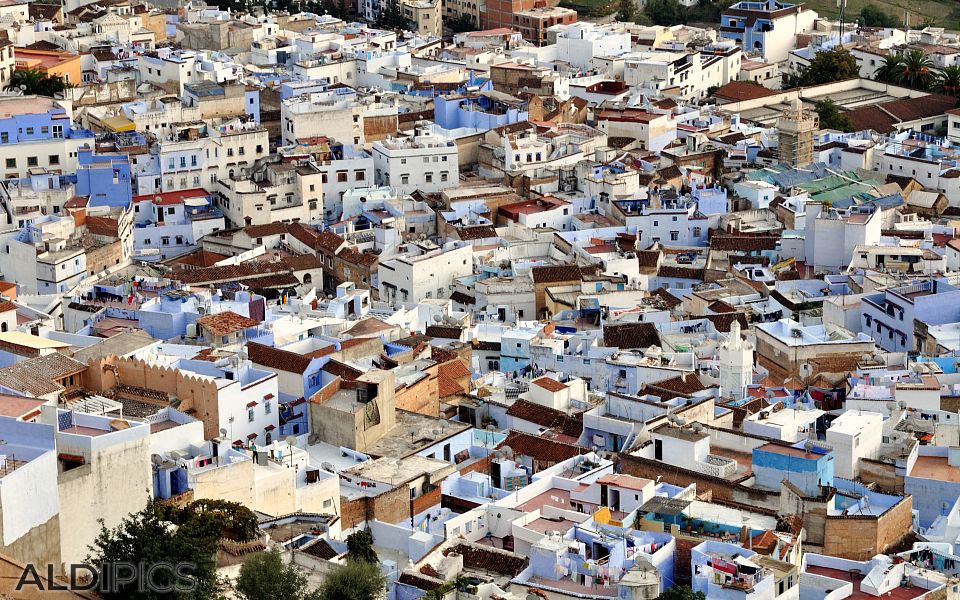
(640, 583)
(191, 330)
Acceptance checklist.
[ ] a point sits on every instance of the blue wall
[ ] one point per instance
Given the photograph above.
(770, 468)
(106, 178)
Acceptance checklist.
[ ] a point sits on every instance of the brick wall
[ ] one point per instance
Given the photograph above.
(881, 473)
(392, 506)
(861, 538)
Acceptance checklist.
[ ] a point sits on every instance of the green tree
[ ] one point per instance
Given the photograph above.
(355, 580)
(665, 12)
(949, 81)
(681, 592)
(872, 16)
(218, 518)
(626, 11)
(891, 70)
(831, 117)
(826, 66)
(264, 575)
(36, 82)
(707, 11)
(917, 70)
(391, 15)
(360, 547)
(144, 538)
(462, 23)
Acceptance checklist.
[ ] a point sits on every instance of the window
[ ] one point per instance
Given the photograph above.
(242, 150)
(193, 160)
(269, 438)
(229, 151)
(44, 130)
(29, 130)
(405, 179)
(428, 178)
(674, 236)
(360, 175)
(696, 232)
(58, 131)
(5, 137)
(31, 161)
(54, 159)
(250, 415)
(11, 163)
(341, 176)
(266, 407)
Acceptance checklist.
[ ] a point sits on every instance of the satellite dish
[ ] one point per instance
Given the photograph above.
(437, 318)
(329, 468)
(223, 432)
(808, 446)
(156, 459)
(770, 395)
(291, 440)
(507, 451)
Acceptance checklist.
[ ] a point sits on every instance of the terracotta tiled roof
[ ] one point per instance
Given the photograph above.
(329, 241)
(476, 232)
(680, 272)
(448, 386)
(628, 336)
(226, 322)
(440, 331)
(341, 370)
(455, 368)
(226, 273)
(736, 91)
(669, 299)
(723, 321)
(257, 231)
(561, 273)
(538, 414)
(7, 305)
(648, 258)
(197, 258)
(275, 358)
(321, 549)
(37, 376)
(742, 243)
(687, 383)
(492, 560)
(461, 298)
(549, 384)
(303, 262)
(541, 449)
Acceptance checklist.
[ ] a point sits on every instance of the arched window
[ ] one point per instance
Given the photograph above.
(308, 278)
(3, 327)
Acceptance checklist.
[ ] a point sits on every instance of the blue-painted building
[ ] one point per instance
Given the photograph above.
(37, 119)
(105, 178)
(484, 110)
(767, 28)
(888, 316)
(772, 463)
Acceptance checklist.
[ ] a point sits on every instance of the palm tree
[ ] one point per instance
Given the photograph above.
(36, 82)
(917, 70)
(891, 70)
(949, 81)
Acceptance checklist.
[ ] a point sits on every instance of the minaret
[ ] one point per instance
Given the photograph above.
(736, 365)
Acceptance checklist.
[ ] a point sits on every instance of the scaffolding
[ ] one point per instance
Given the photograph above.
(796, 129)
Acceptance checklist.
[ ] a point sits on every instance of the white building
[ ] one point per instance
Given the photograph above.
(430, 274)
(736, 364)
(854, 435)
(423, 162)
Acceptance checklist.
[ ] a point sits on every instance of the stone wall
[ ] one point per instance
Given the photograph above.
(392, 506)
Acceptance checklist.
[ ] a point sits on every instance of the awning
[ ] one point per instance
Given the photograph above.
(268, 396)
(237, 442)
(119, 123)
(251, 436)
(269, 428)
(251, 404)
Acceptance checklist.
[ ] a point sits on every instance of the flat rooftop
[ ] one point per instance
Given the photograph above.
(897, 593)
(414, 432)
(387, 469)
(935, 467)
